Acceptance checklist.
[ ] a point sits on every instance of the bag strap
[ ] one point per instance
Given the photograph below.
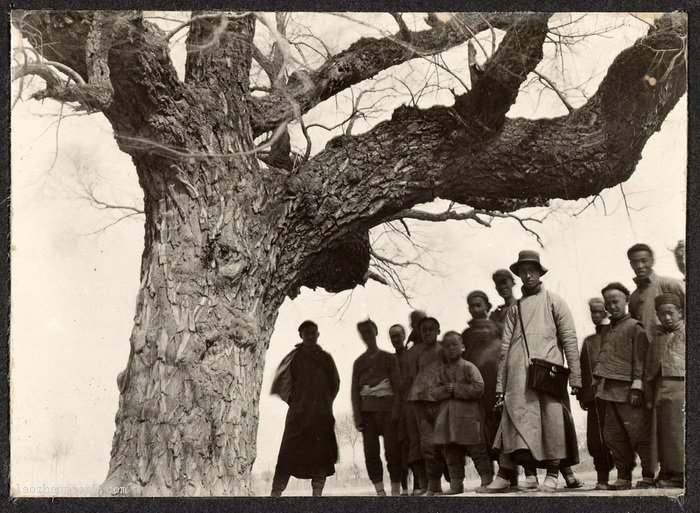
(522, 328)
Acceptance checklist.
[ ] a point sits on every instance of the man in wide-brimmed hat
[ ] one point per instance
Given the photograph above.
(535, 428)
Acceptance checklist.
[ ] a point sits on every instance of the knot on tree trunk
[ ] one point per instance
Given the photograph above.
(343, 266)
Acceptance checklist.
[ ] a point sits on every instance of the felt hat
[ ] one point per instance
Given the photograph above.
(667, 299)
(527, 255)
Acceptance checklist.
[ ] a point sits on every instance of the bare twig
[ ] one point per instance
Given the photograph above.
(550, 85)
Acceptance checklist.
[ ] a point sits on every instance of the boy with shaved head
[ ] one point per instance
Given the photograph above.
(665, 388)
(619, 377)
(590, 353)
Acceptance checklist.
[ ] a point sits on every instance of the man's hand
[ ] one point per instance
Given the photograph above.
(636, 397)
(575, 390)
(499, 402)
(583, 405)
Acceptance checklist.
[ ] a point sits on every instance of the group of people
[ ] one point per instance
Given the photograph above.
(478, 394)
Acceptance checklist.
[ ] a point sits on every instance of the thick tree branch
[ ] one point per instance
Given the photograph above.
(137, 52)
(498, 85)
(357, 182)
(219, 52)
(364, 59)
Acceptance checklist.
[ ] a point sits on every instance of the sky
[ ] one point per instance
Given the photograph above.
(74, 280)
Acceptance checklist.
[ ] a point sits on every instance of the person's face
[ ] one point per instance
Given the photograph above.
(415, 319)
(504, 287)
(478, 308)
(397, 337)
(529, 273)
(429, 332)
(642, 263)
(453, 347)
(309, 335)
(367, 334)
(598, 314)
(669, 316)
(615, 303)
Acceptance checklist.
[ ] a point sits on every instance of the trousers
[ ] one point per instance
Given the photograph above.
(376, 424)
(627, 431)
(456, 456)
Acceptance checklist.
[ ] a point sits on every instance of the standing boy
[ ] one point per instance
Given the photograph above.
(376, 405)
(397, 335)
(426, 369)
(482, 344)
(590, 352)
(459, 426)
(619, 382)
(665, 389)
(414, 348)
(504, 282)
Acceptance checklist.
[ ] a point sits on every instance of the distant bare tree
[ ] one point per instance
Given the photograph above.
(348, 433)
(59, 449)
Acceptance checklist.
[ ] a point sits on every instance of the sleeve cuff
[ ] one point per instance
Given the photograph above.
(637, 384)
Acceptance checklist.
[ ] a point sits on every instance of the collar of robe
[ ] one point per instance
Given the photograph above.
(643, 281)
(615, 322)
(531, 292)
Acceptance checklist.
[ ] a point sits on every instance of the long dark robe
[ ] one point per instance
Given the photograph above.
(482, 344)
(309, 447)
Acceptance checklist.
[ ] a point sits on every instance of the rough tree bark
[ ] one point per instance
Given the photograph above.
(226, 240)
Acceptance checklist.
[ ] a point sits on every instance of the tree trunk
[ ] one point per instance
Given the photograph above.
(188, 409)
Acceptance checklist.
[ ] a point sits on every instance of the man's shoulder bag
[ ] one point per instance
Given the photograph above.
(543, 376)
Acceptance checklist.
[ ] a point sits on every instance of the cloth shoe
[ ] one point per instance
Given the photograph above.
(395, 489)
(574, 482)
(531, 483)
(549, 485)
(646, 482)
(620, 484)
(434, 488)
(602, 486)
(498, 485)
(456, 486)
(417, 492)
(379, 488)
(667, 483)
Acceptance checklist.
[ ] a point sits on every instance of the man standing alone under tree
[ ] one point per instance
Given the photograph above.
(307, 380)
(376, 406)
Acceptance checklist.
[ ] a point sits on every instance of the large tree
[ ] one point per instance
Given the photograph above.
(232, 230)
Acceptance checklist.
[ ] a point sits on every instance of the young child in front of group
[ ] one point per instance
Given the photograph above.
(459, 426)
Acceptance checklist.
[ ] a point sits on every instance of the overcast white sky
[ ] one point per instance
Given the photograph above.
(73, 291)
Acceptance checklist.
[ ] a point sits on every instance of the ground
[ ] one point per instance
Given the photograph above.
(589, 479)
